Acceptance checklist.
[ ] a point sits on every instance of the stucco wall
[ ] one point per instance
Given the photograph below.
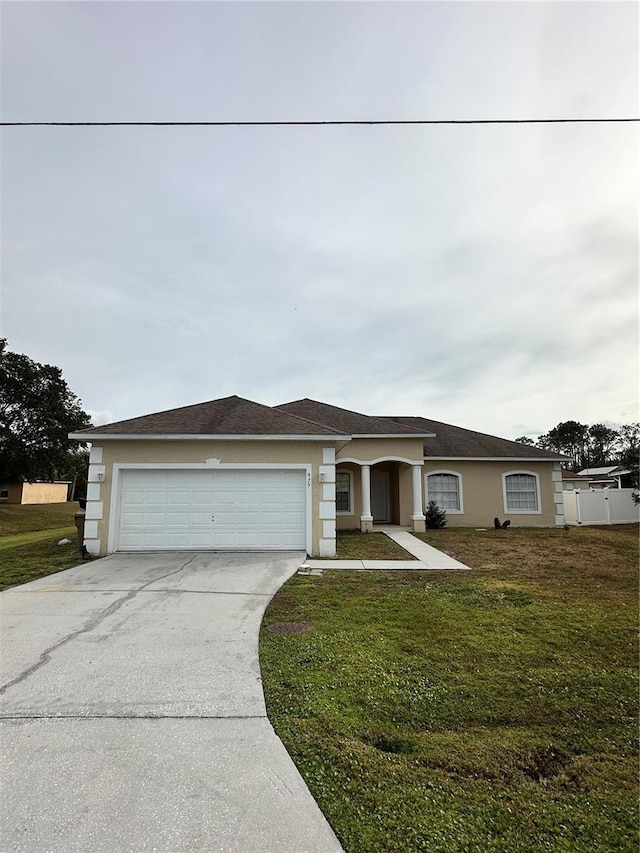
(368, 449)
(482, 492)
(482, 482)
(105, 455)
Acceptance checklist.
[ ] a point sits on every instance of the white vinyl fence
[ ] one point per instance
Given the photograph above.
(600, 506)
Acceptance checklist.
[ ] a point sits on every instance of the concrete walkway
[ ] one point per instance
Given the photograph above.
(426, 557)
(133, 717)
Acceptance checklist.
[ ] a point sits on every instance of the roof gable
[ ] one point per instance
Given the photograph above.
(226, 416)
(345, 420)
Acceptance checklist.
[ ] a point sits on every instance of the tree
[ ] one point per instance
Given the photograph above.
(524, 439)
(435, 518)
(37, 412)
(570, 438)
(629, 438)
(602, 440)
(76, 470)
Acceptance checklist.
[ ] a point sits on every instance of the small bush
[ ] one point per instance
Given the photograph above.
(435, 517)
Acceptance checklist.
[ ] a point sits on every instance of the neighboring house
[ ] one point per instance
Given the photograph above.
(234, 474)
(34, 493)
(607, 477)
(572, 481)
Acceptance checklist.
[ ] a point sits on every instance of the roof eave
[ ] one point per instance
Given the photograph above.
(394, 435)
(495, 458)
(109, 436)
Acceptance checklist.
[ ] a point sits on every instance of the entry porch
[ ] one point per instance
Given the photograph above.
(382, 491)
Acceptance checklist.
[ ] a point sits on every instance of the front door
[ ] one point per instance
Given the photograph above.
(380, 504)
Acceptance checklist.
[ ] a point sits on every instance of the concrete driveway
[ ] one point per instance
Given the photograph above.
(132, 712)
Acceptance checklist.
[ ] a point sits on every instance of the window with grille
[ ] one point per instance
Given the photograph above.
(444, 489)
(521, 493)
(344, 491)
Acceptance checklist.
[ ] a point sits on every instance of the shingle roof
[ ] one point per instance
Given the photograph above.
(456, 442)
(570, 475)
(346, 421)
(235, 416)
(227, 416)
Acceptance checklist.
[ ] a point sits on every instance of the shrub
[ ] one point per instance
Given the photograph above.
(435, 517)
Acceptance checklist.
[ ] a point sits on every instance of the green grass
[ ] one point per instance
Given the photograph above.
(353, 545)
(28, 541)
(489, 711)
(40, 555)
(17, 518)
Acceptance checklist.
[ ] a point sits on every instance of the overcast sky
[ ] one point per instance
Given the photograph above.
(484, 276)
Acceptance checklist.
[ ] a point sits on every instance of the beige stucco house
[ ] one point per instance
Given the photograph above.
(34, 493)
(234, 474)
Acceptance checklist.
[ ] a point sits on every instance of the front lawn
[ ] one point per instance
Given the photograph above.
(28, 541)
(353, 545)
(27, 518)
(489, 711)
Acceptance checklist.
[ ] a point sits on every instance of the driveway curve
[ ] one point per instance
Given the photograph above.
(132, 716)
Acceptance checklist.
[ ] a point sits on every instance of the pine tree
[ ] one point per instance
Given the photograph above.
(435, 517)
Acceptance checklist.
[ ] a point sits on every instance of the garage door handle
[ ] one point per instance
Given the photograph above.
(213, 518)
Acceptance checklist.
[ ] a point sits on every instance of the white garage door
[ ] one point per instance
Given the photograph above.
(241, 509)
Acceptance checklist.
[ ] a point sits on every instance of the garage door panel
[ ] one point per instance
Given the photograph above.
(273, 478)
(212, 509)
(130, 541)
(246, 540)
(201, 540)
(272, 498)
(157, 496)
(179, 519)
(225, 519)
(178, 479)
(248, 518)
(154, 519)
(176, 540)
(180, 498)
(224, 540)
(132, 519)
(199, 519)
(202, 504)
(154, 540)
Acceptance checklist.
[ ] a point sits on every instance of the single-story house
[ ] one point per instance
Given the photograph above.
(605, 477)
(234, 474)
(572, 481)
(34, 493)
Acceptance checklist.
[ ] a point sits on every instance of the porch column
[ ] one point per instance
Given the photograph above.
(417, 517)
(366, 519)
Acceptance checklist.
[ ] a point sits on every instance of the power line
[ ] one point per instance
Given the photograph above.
(311, 123)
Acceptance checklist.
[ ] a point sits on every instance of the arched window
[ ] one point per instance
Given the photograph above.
(521, 492)
(445, 488)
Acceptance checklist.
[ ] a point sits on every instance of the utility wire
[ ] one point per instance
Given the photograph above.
(310, 123)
